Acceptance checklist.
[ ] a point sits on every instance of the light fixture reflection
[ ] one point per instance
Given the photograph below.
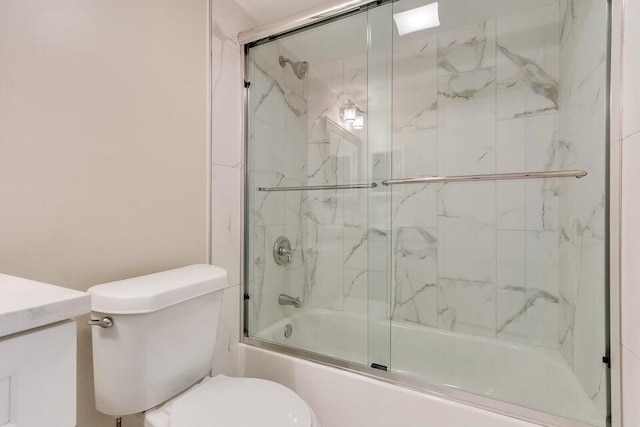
(359, 121)
(349, 113)
(420, 18)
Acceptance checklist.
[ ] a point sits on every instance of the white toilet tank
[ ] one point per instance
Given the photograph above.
(162, 338)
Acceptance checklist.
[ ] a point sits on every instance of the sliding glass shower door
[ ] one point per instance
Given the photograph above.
(318, 224)
(426, 195)
(499, 261)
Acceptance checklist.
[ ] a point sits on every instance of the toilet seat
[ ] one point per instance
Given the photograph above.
(230, 402)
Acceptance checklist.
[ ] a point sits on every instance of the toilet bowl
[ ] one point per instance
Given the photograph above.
(153, 342)
(224, 401)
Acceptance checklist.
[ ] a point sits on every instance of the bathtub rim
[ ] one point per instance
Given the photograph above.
(412, 383)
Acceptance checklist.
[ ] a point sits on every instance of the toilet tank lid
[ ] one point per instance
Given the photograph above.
(153, 292)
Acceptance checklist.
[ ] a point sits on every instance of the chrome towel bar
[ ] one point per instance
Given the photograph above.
(488, 177)
(440, 179)
(319, 187)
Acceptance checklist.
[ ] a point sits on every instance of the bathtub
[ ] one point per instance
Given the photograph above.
(527, 376)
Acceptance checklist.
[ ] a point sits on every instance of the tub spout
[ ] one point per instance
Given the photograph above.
(285, 299)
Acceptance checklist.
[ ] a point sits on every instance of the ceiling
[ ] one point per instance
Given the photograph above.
(265, 11)
(453, 13)
(348, 37)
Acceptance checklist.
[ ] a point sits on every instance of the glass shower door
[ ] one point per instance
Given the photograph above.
(317, 235)
(498, 282)
(430, 199)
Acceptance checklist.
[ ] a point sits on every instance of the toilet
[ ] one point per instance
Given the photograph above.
(153, 343)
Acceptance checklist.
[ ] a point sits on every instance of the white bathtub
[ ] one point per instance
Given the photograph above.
(516, 373)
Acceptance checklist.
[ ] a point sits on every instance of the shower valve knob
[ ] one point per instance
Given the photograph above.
(282, 251)
(285, 252)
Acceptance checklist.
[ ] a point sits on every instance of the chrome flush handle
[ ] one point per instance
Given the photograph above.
(105, 322)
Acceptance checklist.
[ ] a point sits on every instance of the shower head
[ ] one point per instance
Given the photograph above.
(300, 68)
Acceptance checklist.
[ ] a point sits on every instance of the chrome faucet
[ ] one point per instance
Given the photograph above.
(285, 299)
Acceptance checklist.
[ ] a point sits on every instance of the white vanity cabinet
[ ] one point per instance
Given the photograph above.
(38, 353)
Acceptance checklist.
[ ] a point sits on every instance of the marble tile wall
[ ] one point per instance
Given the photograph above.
(630, 237)
(278, 156)
(336, 221)
(478, 258)
(581, 203)
(629, 143)
(228, 19)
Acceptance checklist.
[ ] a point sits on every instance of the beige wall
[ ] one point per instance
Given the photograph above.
(103, 144)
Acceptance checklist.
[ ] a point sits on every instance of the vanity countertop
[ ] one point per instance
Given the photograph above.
(27, 304)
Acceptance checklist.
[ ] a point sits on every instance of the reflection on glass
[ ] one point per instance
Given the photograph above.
(418, 19)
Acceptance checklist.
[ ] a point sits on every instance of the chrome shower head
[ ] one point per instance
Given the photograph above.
(300, 68)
